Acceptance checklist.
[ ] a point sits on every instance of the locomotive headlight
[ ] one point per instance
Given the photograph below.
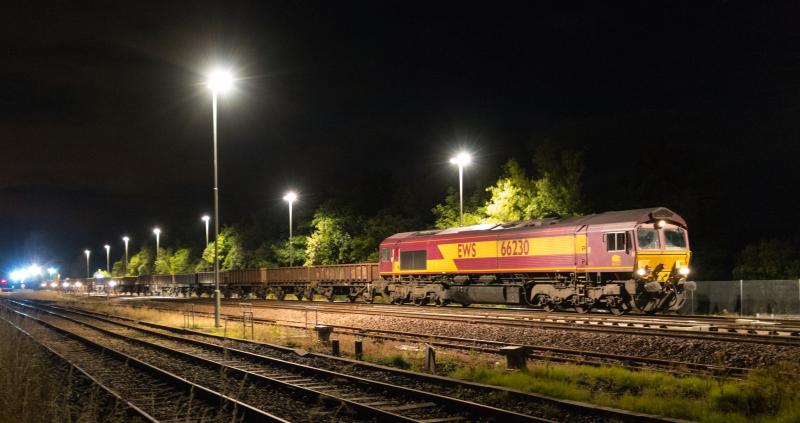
(65, 284)
(641, 272)
(683, 271)
(112, 283)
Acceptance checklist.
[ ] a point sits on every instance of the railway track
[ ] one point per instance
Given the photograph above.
(86, 385)
(538, 352)
(398, 395)
(745, 331)
(154, 394)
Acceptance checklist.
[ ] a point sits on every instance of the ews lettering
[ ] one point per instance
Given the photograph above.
(467, 250)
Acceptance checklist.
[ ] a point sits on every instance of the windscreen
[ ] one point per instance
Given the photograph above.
(647, 238)
(674, 238)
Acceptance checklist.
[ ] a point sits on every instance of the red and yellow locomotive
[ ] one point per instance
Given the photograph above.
(622, 260)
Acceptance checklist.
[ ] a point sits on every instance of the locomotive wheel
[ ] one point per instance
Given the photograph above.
(583, 308)
(616, 310)
(549, 307)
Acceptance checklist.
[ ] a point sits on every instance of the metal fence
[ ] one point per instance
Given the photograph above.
(775, 298)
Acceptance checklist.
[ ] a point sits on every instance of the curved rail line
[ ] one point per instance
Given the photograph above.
(512, 396)
(540, 353)
(131, 410)
(178, 398)
(743, 332)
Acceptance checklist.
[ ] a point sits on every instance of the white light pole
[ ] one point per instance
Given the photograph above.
(156, 231)
(205, 219)
(219, 81)
(108, 257)
(461, 159)
(290, 198)
(125, 239)
(88, 273)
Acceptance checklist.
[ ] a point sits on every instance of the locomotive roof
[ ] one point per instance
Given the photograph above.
(623, 216)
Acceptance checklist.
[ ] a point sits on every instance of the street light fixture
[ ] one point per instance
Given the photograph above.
(125, 239)
(290, 198)
(205, 219)
(157, 232)
(108, 257)
(219, 81)
(88, 253)
(461, 159)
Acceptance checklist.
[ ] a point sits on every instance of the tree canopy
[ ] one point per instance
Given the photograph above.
(517, 196)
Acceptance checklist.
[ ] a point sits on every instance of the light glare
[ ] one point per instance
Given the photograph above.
(290, 197)
(220, 80)
(461, 159)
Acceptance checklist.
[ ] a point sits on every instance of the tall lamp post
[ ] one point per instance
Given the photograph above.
(205, 219)
(108, 257)
(125, 239)
(461, 159)
(219, 81)
(157, 232)
(88, 273)
(290, 198)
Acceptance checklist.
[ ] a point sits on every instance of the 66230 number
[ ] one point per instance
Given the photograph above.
(515, 247)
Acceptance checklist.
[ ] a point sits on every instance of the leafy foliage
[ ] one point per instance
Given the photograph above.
(329, 243)
(231, 253)
(769, 259)
(447, 214)
(140, 263)
(290, 253)
(517, 196)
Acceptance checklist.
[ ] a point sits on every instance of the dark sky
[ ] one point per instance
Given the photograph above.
(106, 127)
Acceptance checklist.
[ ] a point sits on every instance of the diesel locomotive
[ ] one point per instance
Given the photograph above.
(633, 260)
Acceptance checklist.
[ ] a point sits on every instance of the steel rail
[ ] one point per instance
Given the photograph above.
(131, 409)
(472, 344)
(793, 339)
(241, 411)
(475, 409)
(576, 406)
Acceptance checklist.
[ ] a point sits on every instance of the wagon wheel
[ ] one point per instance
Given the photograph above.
(583, 308)
(616, 310)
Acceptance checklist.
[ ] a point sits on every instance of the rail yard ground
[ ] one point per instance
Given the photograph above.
(770, 391)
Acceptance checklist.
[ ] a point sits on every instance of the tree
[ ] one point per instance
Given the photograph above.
(448, 215)
(558, 189)
(231, 253)
(118, 268)
(512, 197)
(329, 243)
(290, 253)
(517, 196)
(364, 246)
(140, 263)
(768, 259)
(162, 262)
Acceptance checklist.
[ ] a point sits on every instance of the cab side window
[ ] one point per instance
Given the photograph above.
(385, 256)
(615, 241)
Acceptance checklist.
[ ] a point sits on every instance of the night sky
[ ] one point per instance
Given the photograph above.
(106, 127)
